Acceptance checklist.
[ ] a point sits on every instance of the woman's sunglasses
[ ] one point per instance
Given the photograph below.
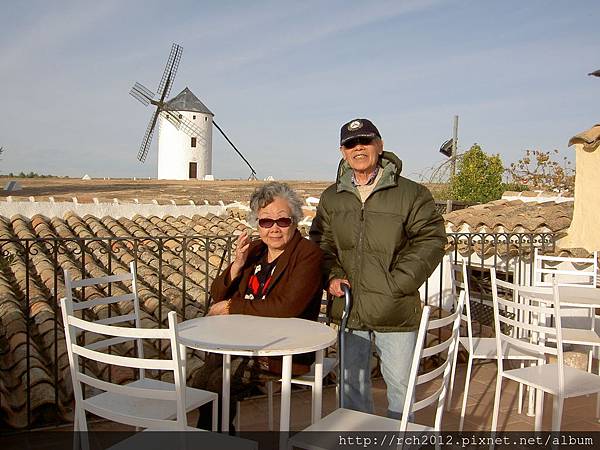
(282, 222)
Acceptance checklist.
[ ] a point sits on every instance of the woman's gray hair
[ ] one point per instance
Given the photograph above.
(265, 194)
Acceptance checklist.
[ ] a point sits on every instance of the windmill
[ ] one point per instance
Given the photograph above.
(167, 110)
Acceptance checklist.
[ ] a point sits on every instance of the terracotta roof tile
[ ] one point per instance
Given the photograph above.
(509, 216)
(48, 372)
(513, 215)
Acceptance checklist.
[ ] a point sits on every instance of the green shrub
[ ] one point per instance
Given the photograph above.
(479, 177)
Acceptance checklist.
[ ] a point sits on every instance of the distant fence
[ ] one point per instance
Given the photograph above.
(175, 273)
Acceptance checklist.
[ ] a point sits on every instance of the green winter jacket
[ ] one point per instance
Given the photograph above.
(386, 247)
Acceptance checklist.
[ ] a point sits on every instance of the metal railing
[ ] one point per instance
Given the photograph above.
(174, 273)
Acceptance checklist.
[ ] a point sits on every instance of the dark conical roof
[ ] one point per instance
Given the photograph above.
(187, 101)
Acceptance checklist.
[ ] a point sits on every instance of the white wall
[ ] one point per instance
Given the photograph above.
(58, 209)
(175, 151)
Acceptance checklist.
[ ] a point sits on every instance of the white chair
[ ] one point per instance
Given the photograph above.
(434, 386)
(143, 391)
(150, 404)
(308, 379)
(478, 348)
(103, 299)
(532, 306)
(546, 267)
(145, 403)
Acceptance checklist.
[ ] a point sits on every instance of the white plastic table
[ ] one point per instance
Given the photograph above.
(239, 334)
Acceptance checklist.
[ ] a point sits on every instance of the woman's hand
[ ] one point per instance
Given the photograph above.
(241, 254)
(219, 309)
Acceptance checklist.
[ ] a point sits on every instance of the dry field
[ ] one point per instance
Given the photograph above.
(147, 190)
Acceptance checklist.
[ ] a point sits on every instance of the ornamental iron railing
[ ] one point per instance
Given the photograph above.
(174, 273)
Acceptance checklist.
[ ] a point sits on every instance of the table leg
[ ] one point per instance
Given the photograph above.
(317, 393)
(286, 397)
(286, 391)
(225, 393)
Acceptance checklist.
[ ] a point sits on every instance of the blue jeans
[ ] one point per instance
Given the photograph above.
(395, 350)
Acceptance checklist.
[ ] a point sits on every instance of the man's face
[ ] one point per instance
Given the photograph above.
(362, 153)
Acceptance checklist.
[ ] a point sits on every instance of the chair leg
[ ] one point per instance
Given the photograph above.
(270, 404)
(531, 392)
(82, 421)
(238, 416)
(82, 432)
(539, 409)
(314, 400)
(76, 437)
(451, 387)
(465, 394)
(520, 400)
(557, 412)
(496, 402)
(215, 415)
(598, 398)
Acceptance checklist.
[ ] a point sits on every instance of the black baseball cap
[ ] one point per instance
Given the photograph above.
(358, 128)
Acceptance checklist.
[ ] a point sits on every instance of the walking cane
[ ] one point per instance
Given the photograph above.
(342, 341)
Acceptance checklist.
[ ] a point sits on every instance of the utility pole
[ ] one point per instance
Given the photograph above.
(454, 145)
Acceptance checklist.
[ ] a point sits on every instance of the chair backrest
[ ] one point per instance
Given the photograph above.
(532, 307)
(102, 303)
(578, 271)
(79, 354)
(434, 382)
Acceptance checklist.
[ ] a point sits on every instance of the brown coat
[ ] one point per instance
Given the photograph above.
(295, 289)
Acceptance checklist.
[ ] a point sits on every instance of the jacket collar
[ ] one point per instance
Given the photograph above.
(390, 164)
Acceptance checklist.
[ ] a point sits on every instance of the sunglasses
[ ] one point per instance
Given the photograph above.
(361, 140)
(282, 222)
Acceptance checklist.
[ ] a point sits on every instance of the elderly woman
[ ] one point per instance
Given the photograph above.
(277, 275)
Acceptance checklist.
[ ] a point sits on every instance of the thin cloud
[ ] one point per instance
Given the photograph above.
(50, 31)
(319, 23)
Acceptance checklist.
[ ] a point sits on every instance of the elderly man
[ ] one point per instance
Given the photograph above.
(382, 236)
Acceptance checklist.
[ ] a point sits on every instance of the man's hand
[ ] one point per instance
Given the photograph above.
(219, 309)
(335, 286)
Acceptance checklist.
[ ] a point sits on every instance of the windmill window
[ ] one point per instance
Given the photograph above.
(205, 119)
(180, 116)
(193, 142)
(194, 117)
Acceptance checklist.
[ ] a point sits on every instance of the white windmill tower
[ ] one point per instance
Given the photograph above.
(183, 156)
(185, 128)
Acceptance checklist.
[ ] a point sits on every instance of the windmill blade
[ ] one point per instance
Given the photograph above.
(148, 137)
(164, 87)
(142, 93)
(253, 176)
(185, 125)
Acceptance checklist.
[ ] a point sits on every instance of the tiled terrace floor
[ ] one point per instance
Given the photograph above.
(578, 412)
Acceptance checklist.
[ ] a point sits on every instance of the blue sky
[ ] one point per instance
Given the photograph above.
(282, 76)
